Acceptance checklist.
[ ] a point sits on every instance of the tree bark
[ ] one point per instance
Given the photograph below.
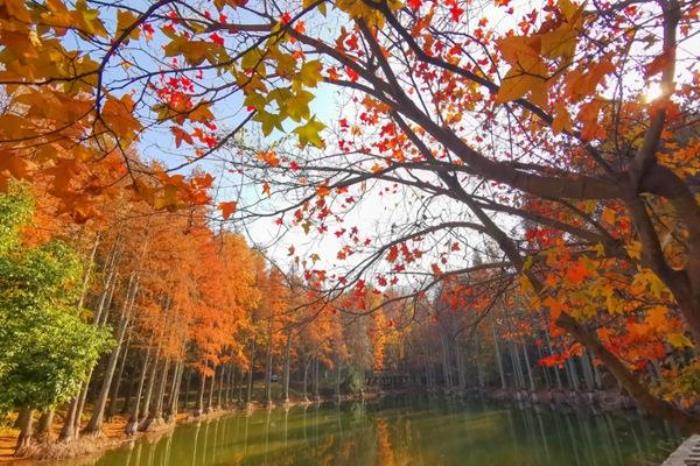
(43, 432)
(175, 392)
(210, 398)
(132, 424)
(156, 414)
(287, 357)
(249, 394)
(68, 430)
(113, 397)
(306, 378)
(24, 439)
(268, 371)
(97, 419)
(499, 361)
(200, 396)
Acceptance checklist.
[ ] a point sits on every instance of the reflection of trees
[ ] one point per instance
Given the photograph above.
(385, 452)
(401, 433)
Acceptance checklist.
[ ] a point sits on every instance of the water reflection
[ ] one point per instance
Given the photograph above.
(403, 432)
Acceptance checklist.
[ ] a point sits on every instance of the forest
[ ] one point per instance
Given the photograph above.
(211, 207)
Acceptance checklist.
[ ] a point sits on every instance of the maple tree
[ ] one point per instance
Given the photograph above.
(534, 135)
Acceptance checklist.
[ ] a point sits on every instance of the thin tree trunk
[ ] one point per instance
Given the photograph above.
(112, 408)
(249, 394)
(219, 392)
(188, 382)
(156, 414)
(337, 377)
(88, 272)
(501, 373)
(268, 369)
(175, 392)
(306, 378)
(97, 419)
(287, 357)
(529, 370)
(132, 425)
(210, 400)
(316, 381)
(149, 390)
(200, 396)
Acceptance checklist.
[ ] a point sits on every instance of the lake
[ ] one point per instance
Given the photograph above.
(407, 431)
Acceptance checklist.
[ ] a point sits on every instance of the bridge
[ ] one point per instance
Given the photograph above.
(388, 379)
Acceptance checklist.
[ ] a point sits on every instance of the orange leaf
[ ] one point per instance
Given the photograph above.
(227, 208)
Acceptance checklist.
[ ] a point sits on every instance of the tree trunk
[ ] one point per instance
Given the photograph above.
(231, 385)
(268, 371)
(149, 390)
(446, 376)
(112, 408)
(132, 425)
(155, 417)
(200, 396)
(24, 439)
(43, 433)
(68, 430)
(219, 392)
(77, 419)
(499, 361)
(249, 394)
(210, 399)
(461, 370)
(528, 368)
(175, 392)
(97, 419)
(188, 382)
(287, 357)
(306, 378)
(636, 389)
(316, 381)
(88, 272)
(337, 378)
(557, 376)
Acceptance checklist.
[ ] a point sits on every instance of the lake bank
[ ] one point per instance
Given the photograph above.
(394, 429)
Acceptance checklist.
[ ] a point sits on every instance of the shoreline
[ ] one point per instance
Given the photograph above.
(90, 447)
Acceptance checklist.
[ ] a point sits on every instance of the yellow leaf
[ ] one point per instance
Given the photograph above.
(297, 106)
(125, 19)
(634, 250)
(599, 249)
(309, 133)
(679, 340)
(310, 73)
(269, 121)
(321, 7)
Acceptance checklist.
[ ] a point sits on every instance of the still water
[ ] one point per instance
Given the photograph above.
(406, 432)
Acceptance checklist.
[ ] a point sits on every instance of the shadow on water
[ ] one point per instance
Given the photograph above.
(402, 431)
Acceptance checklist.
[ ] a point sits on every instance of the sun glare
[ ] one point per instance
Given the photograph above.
(652, 93)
